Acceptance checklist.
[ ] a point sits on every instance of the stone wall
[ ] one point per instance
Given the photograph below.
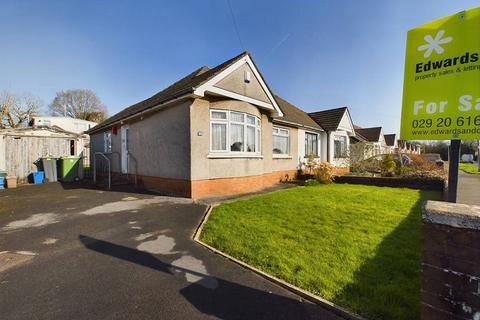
(450, 261)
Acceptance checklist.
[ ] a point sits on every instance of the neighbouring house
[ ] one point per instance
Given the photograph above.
(411, 147)
(218, 131)
(374, 138)
(66, 123)
(338, 127)
(21, 148)
(391, 143)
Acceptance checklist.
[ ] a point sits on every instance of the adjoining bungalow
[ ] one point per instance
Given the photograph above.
(391, 143)
(338, 126)
(215, 132)
(411, 147)
(374, 137)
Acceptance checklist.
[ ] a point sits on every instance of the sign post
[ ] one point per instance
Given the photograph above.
(454, 156)
(441, 91)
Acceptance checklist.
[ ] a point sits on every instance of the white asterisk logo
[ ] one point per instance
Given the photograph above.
(434, 43)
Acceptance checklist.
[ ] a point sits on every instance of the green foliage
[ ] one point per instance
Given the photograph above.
(469, 168)
(311, 182)
(388, 166)
(357, 246)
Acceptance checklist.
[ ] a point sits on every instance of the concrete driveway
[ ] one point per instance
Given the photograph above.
(75, 253)
(468, 188)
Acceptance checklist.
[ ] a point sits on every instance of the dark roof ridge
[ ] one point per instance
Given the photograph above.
(337, 108)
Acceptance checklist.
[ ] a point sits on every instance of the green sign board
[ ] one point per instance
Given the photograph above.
(441, 91)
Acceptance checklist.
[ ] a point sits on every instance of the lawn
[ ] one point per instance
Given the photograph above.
(357, 246)
(469, 168)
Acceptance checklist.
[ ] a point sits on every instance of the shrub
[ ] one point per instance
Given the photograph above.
(311, 163)
(437, 175)
(324, 172)
(420, 164)
(311, 182)
(388, 166)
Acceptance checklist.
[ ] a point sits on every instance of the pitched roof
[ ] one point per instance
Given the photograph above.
(329, 119)
(389, 139)
(370, 134)
(293, 114)
(179, 88)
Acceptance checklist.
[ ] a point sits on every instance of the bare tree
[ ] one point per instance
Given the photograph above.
(78, 103)
(16, 110)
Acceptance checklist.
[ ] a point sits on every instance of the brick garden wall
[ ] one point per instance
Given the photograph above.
(450, 262)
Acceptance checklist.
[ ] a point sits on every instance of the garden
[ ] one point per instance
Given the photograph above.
(357, 246)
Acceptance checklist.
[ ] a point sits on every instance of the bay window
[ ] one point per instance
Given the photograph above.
(281, 141)
(234, 132)
(311, 144)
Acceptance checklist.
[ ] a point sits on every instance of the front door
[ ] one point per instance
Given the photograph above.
(125, 149)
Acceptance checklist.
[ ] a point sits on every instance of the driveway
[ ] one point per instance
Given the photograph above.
(468, 188)
(75, 253)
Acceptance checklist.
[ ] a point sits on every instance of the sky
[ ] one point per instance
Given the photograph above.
(315, 54)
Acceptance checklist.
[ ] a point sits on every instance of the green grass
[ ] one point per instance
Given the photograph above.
(468, 168)
(357, 246)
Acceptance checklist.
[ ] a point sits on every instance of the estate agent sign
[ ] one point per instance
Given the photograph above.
(441, 93)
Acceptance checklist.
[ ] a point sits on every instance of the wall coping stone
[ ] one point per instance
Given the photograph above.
(452, 214)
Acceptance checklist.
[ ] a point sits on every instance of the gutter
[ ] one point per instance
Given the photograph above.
(151, 109)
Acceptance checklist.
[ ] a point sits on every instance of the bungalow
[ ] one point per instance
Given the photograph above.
(391, 143)
(410, 147)
(373, 137)
(218, 131)
(338, 127)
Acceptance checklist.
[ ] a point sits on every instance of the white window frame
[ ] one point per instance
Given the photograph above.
(276, 131)
(345, 139)
(228, 122)
(107, 142)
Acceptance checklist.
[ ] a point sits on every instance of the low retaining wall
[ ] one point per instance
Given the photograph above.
(450, 261)
(393, 182)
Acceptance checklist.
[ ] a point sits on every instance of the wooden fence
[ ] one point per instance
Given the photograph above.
(22, 153)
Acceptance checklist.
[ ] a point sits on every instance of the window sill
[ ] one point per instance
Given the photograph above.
(233, 156)
(281, 156)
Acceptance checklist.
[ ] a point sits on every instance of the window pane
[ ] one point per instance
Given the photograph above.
(251, 139)
(283, 131)
(107, 140)
(311, 143)
(251, 119)
(280, 145)
(236, 137)
(219, 115)
(219, 136)
(340, 147)
(259, 141)
(237, 117)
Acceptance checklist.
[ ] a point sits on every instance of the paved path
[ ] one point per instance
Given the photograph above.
(468, 188)
(87, 254)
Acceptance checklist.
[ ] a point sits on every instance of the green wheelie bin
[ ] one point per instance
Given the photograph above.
(68, 169)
